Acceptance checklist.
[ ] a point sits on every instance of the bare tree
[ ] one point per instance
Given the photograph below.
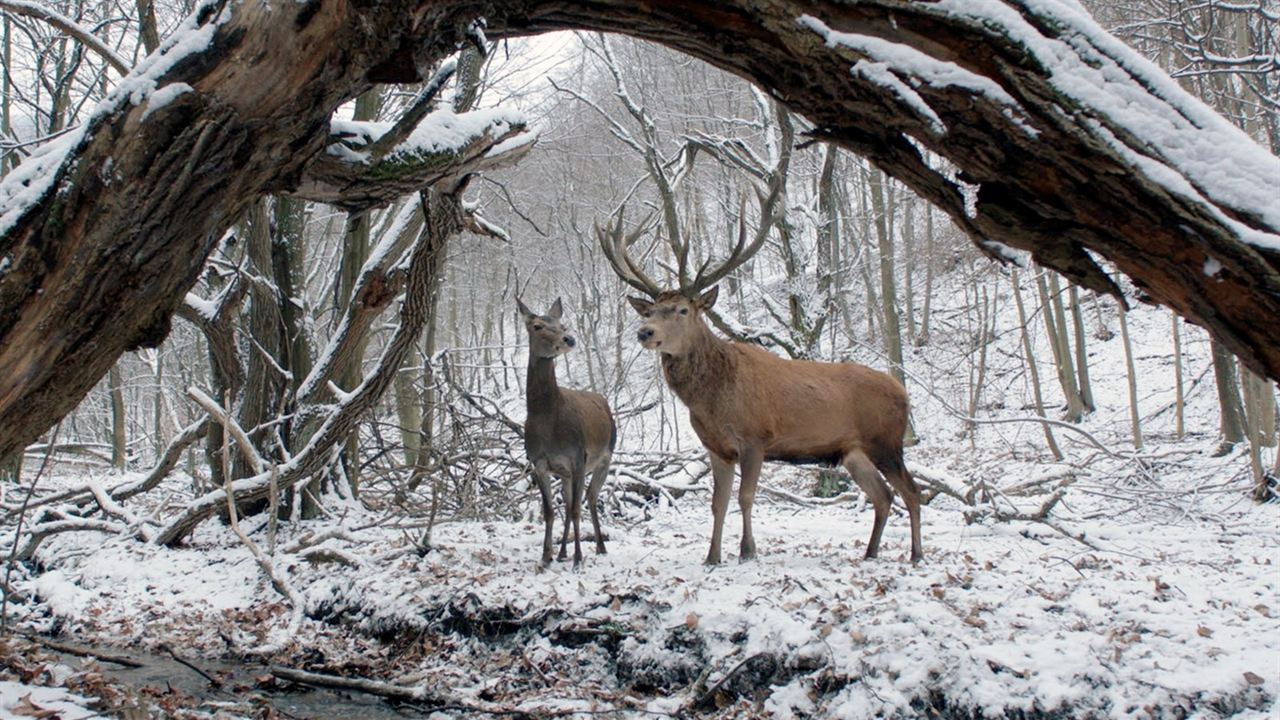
(1049, 171)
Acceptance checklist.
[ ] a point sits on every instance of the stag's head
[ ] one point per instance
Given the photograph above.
(671, 320)
(548, 338)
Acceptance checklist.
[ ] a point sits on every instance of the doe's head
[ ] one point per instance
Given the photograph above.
(548, 337)
(671, 319)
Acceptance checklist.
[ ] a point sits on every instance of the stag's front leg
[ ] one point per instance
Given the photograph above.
(722, 486)
(750, 461)
(543, 477)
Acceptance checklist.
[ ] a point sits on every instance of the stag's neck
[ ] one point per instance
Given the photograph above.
(699, 376)
(541, 391)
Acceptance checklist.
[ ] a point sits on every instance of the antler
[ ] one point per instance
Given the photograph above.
(742, 251)
(615, 244)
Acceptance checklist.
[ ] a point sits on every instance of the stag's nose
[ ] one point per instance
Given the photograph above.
(644, 334)
(568, 340)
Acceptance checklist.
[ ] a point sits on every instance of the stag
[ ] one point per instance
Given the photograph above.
(567, 433)
(748, 405)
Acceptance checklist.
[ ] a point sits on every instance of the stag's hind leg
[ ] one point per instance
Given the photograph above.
(593, 494)
(907, 489)
(868, 478)
(750, 461)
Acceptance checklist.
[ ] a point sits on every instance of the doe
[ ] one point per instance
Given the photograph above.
(567, 433)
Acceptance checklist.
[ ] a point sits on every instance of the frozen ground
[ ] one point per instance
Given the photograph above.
(1153, 614)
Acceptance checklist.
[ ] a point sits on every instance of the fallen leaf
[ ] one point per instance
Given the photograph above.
(26, 708)
(1203, 631)
(691, 621)
(616, 605)
(1253, 678)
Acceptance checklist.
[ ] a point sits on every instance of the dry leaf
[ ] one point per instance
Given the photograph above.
(825, 630)
(857, 637)
(938, 592)
(1253, 678)
(1203, 631)
(691, 621)
(616, 605)
(26, 708)
(1263, 610)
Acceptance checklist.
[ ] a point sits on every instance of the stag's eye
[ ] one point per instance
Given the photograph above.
(684, 311)
(537, 327)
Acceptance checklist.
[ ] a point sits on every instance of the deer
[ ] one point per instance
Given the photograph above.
(567, 433)
(749, 406)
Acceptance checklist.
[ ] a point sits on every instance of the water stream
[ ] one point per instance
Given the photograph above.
(239, 685)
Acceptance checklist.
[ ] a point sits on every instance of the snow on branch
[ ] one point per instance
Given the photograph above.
(359, 170)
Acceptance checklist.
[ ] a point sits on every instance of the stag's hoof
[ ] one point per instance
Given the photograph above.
(600, 550)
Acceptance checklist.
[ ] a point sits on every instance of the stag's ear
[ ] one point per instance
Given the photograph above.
(556, 309)
(641, 305)
(524, 311)
(708, 298)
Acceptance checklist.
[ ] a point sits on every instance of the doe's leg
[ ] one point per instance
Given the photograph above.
(543, 478)
(566, 492)
(593, 495)
(575, 511)
(722, 485)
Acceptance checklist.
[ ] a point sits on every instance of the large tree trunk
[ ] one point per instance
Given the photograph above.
(1047, 118)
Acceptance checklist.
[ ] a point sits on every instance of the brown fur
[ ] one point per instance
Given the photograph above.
(567, 433)
(748, 405)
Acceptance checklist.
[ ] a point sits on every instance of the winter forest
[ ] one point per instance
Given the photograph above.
(267, 455)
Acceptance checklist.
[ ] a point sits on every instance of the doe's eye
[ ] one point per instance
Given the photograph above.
(684, 311)
(537, 327)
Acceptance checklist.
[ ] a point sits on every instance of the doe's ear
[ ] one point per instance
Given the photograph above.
(708, 298)
(556, 309)
(524, 311)
(641, 305)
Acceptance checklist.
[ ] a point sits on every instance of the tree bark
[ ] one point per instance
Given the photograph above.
(121, 229)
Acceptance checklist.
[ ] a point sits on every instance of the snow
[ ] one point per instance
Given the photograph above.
(164, 96)
(1170, 126)
(999, 618)
(27, 184)
(1173, 138)
(892, 58)
(440, 131)
(18, 700)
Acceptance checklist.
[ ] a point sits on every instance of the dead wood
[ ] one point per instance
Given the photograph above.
(107, 252)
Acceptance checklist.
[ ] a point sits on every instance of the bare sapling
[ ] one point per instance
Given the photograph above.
(567, 433)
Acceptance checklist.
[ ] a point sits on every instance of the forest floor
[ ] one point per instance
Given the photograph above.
(1115, 607)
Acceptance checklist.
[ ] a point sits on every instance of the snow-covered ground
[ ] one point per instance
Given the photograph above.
(1144, 614)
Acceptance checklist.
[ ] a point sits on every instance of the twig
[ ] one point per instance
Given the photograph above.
(86, 652)
(177, 658)
(17, 531)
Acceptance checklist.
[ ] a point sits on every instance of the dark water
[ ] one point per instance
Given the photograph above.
(239, 685)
